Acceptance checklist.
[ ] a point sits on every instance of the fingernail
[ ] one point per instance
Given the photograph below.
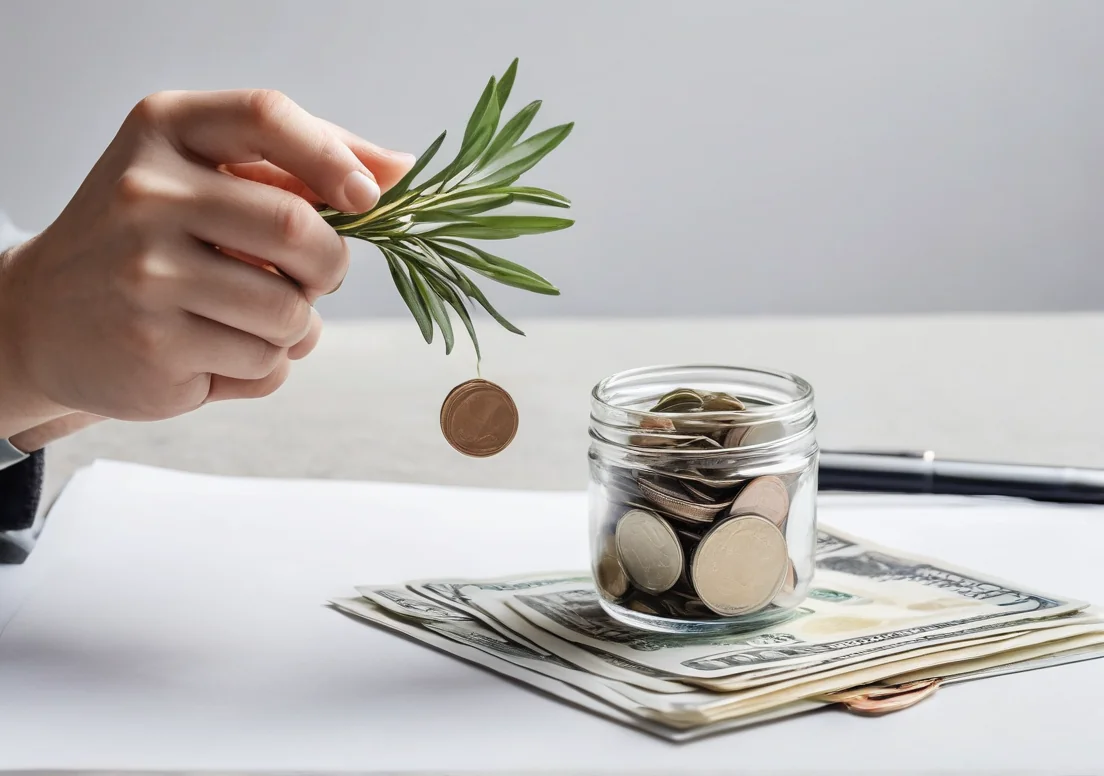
(361, 191)
(405, 158)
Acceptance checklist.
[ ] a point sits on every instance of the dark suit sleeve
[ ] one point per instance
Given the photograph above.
(21, 483)
(20, 493)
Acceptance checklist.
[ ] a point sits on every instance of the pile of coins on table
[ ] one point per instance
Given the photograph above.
(695, 542)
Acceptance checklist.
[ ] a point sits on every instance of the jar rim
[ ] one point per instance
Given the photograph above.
(803, 397)
(787, 399)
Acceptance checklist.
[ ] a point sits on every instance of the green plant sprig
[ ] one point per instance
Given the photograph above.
(423, 230)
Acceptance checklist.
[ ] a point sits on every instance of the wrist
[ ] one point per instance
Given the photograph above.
(45, 433)
(22, 405)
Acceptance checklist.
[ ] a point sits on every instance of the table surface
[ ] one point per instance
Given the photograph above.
(177, 621)
(365, 404)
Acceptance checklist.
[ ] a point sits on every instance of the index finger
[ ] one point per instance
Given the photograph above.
(250, 125)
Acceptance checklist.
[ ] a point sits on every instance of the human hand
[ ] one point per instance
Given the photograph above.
(124, 308)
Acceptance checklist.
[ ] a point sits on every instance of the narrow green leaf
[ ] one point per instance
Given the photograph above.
(476, 118)
(461, 211)
(522, 157)
(522, 224)
(510, 132)
(497, 261)
(506, 83)
(403, 185)
(441, 276)
(525, 280)
(536, 196)
(478, 143)
(472, 292)
(471, 231)
(406, 291)
(477, 135)
(445, 269)
(433, 302)
(479, 259)
(448, 293)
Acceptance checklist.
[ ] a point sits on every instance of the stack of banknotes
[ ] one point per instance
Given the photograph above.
(879, 630)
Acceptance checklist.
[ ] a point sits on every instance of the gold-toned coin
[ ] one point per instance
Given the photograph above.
(678, 400)
(649, 550)
(479, 418)
(611, 578)
(721, 402)
(643, 608)
(740, 565)
(790, 581)
(765, 496)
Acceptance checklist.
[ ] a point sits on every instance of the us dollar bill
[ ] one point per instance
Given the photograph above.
(473, 642)
(457, 593)
(698, 713)
(867, 601)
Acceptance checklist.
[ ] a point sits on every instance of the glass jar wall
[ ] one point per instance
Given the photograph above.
(702, 496)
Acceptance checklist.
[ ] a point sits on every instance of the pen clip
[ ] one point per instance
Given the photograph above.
(926, 455)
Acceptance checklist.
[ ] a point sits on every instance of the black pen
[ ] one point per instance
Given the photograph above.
(889, 472)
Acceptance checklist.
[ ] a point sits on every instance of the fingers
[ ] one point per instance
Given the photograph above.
(279, 227)
(305, 346)
(226, 388)
(386, 165)
(271, 175)
(242, 296)
(250, 125)
(209, 347)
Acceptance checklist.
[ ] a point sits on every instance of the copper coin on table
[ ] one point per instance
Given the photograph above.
(479, 418)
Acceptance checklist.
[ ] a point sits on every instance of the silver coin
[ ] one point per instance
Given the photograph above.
(762, 433)
(720, 483)
(740, 565)
(734, 436)
(765, 496)
(678, 503)
(649, 550)
(703, 494)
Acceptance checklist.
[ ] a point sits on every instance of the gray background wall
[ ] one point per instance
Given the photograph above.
(729, 157)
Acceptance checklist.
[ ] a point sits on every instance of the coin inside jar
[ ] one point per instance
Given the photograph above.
(650, 551)
(740, 565)
(611, 577)
(676, 503)
(765, 496)
(764, 432)
(479, 418)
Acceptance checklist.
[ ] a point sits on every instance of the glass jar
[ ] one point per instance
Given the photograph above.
(703, 483)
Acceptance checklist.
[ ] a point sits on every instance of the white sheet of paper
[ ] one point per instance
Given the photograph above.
(177, 621)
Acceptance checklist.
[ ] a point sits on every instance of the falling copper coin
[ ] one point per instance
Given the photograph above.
(479, 418)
